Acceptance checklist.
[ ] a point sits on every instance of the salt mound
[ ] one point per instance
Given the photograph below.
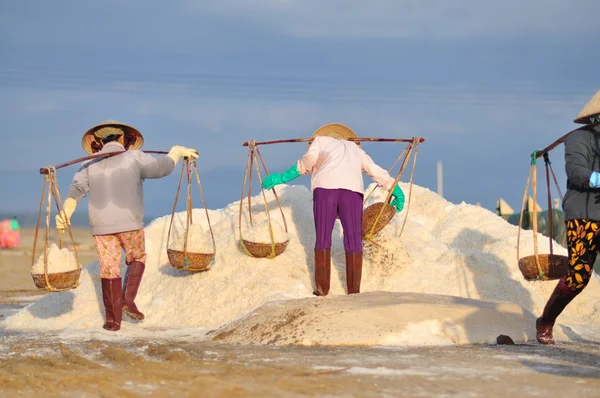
(198, 240)
(259, 232)
(380, 318)
(59, 260)
(450, 249)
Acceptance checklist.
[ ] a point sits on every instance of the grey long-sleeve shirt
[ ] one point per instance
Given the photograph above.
(114, 186)
(582, 157)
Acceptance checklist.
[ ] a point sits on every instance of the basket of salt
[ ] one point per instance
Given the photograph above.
(540, 267)
(58, 269)
(191, 250)
(259, 242)
(379, 214)
(550, 266)
(267, 238)
(375, 217)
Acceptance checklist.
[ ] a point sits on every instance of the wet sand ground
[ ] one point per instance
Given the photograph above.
(43, 365)
(35, 365)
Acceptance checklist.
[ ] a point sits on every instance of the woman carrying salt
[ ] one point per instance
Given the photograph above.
(337, 165)
(116, 209)
(581, 205)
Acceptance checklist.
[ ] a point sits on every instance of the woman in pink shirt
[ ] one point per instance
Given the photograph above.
(336, 165)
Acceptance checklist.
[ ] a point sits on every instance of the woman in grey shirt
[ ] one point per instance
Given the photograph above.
(116, 209)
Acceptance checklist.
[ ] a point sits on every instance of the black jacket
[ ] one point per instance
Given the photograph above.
(582, 157)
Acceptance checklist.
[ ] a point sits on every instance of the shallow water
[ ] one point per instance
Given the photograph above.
(108, 364)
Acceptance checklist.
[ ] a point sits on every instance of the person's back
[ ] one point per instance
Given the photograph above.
(338, 164)
(115, 188)
(116, 210)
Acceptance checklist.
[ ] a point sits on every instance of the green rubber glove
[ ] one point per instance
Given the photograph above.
(398, 201)
(275, 179)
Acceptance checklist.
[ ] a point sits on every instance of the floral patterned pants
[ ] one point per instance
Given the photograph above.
(582, 240)
(109, 249)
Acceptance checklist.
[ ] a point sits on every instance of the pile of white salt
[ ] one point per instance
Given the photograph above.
(458, 250)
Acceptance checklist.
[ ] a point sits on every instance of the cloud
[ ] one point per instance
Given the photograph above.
(412, 19)
(478, 136)
(186, 26)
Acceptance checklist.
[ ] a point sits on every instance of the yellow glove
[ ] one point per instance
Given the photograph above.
(63, 219)
(178, 152)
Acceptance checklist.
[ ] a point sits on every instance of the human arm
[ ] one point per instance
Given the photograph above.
(302, 167)
(152, 168)
(397, 198)
(383, 179)
(79, 188)
(578, 155)
(595, 180)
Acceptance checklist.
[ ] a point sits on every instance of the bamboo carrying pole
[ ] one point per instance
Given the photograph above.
(348, 139)
(46, 170)
(562, 139)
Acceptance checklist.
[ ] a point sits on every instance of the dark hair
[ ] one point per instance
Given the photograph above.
(110, 138)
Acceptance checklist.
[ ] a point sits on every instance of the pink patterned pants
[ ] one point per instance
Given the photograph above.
(109, 249)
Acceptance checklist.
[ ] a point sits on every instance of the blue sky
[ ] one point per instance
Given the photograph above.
(485, 83)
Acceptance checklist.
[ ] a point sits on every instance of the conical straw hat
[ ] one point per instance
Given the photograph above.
(91, 141)
(335, 130)
(590, 112)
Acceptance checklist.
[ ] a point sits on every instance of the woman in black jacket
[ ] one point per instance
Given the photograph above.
(581, 205)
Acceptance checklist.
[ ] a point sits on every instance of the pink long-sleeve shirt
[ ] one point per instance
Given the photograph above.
(339, 164)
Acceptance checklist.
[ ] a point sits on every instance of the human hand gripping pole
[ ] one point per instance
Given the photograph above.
(177, 152)
(275, 179)
(64, 217)
(398, 198)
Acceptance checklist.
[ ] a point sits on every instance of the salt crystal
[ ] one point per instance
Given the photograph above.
(452, 249)
(259, 232)
(59, 260)
(198, 241)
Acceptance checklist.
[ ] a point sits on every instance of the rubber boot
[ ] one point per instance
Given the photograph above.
(322, 271)
(113, 303)
(353, 272)
(133, 278)
(559, 299)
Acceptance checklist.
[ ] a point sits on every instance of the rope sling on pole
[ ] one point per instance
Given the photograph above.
(258, 249)
(372, 227)
(375, 216)
(185, 259)
(540, 266)
(57, 281)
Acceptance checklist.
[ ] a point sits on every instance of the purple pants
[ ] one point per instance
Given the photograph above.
(327, 205)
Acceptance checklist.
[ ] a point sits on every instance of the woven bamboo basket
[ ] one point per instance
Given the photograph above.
(370, 215)
(540, 267)
(59, 280)
(263, 249)
(184, 259)
(553, 266)
(195, 262)
(255, 249)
